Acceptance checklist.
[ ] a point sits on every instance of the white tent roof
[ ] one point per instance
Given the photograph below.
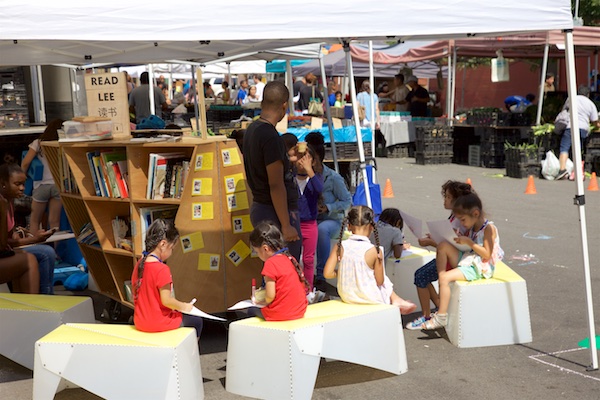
(114, 31)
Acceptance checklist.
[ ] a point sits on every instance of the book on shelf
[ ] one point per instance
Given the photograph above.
(93, 173)
(149, 214)
(108, 159)
(122, 174)
(122, 233)
(69, 183)
(161, 167)
(102, 170)
(87, 235)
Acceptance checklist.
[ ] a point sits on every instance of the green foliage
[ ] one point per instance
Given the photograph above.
(589, 10)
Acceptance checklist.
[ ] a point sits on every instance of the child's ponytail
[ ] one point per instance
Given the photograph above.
(160, 229)
(376, 234)
(339, 248)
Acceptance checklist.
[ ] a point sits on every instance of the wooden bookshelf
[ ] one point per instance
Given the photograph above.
(211, 235)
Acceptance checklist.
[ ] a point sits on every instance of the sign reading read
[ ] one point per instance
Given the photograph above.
(107, 97)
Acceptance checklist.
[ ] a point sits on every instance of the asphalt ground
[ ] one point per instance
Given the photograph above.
(541, 237)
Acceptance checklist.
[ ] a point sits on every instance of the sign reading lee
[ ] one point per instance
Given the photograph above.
(107, 97)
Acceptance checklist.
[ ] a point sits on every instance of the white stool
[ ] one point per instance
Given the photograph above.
(402, 272)
(119, 362)
(489, 312)
(27, 317)
(280, 360)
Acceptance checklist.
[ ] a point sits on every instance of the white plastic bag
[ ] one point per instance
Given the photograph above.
(551, 166)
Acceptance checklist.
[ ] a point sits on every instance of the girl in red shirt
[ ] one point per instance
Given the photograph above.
(155, 307)
(285, 285)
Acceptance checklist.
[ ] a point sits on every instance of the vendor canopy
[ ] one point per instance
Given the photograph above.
(383, 62)
(114, 31)
(527, 45)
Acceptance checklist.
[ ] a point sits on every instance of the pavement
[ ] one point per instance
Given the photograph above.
(541, 237)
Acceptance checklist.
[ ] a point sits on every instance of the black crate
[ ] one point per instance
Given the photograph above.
(432, 132)
(492, 161)
(428, 159)
(520, 171)
(593, 141)
(398, 151)
(524, 157)
(441, 146)
(346, 151)
(501, 135)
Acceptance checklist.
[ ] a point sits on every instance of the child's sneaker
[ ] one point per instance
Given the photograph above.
(416, 324)
(436, 321)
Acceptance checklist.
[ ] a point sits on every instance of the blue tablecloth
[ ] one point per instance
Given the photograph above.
(346, 134)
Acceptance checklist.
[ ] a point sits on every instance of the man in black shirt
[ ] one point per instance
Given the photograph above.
(417, 98)
(268, 169)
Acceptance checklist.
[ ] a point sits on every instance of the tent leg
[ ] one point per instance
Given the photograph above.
(290, 84)
(373, 118)
(580, 197)
(328, 111)
(361, 150)
(453, 91)
(538, 117)
(449, 88)
(151, 88)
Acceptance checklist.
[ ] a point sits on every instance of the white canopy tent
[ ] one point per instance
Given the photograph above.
(75, 32)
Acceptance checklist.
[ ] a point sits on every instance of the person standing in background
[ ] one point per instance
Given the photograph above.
(45, 192)
(268, 171)
(549, 83)
(242, 95)
(399, 93)
(139, 99)
(260, 87)
(417, 98)
(587, 113)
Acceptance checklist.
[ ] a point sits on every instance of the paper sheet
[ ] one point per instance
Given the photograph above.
(414, 224)
(442, 230)
(199, 313)
(240, 305)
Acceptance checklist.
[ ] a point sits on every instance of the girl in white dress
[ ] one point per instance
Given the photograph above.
(358, 265)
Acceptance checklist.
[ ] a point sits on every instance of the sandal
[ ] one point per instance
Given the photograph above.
(436, 322)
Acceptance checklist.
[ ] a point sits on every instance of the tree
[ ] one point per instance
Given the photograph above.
(589, 11)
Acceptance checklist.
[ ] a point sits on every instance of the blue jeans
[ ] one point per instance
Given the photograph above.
(565, 141)
(265, 212)
(46, 258)
(328, 229)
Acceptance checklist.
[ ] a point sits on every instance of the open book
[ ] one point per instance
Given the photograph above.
(438, 230)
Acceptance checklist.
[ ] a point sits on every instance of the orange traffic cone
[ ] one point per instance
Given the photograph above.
(530, 186)
(469, 182)
(388, 193)
(593, 186)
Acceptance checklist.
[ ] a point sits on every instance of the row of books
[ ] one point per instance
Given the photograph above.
(68, 180)
(88, 235)
(166, 175)
(109, 173)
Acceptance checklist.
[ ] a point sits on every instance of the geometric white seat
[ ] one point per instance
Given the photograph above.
(119, 362)
(489, 312)
(402, 272)
(27, 317)
(280, 360)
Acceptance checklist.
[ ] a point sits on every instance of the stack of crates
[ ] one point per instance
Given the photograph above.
(592, 153)
(520, 163)
(434, 144)
(492, 144)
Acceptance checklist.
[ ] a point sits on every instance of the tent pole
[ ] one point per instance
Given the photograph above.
(151, 88)
(596, 70)
(538, 116)
(449, 86)
(589, 73)
(372, 117)
(453, 81)
(37, 87)
(290, 85)
(170, 85)
(580, 197)
(328, 112)
(195, 99)
(361, 150)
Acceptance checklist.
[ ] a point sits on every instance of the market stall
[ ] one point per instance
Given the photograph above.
(32, 34)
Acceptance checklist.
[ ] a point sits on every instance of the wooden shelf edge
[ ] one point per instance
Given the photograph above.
(72, 195)
(109, 199)
(155, 201)
(118, 252)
